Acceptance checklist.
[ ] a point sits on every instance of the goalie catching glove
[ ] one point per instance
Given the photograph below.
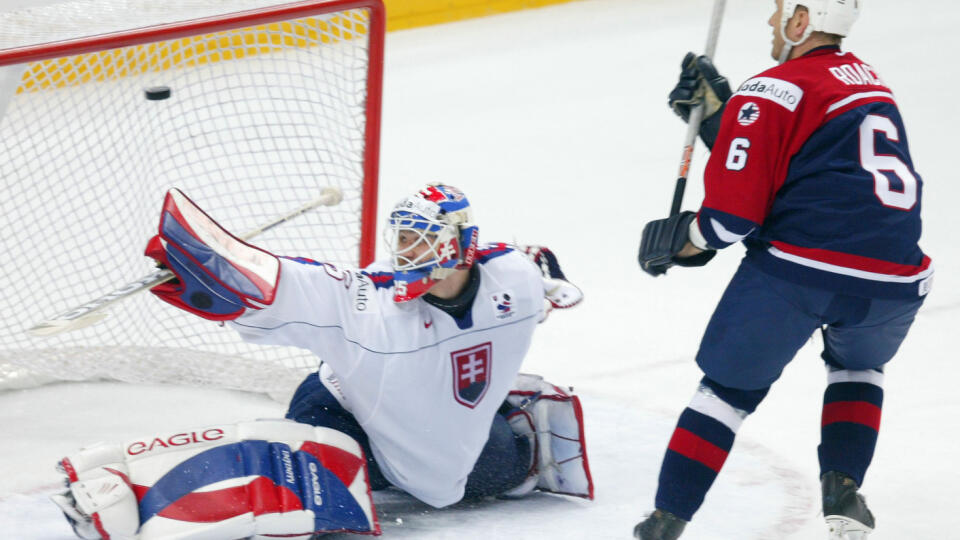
(701, 84)
(218, 276)
(663, 239)
(263, 479)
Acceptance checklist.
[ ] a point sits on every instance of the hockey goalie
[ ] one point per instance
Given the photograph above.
(418, 386)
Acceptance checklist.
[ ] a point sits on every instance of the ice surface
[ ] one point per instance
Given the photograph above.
(554, 122)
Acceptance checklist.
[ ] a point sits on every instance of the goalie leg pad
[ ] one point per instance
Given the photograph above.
(257, 479)
(557, 424)
(218, 275)
(521, 423)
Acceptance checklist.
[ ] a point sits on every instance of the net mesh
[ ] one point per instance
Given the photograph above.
(259, 120)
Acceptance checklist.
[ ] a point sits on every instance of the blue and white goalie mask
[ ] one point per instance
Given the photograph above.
(430, 235)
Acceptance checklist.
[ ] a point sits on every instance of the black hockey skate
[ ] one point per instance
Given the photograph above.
(844, 509)
(659, 525)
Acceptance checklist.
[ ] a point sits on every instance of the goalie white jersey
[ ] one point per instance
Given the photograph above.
(411, 364)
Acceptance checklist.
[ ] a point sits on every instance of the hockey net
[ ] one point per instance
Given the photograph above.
(270, 102)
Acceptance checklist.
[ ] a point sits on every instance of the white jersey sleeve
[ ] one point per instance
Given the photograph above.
(423, 385)
(313, 299)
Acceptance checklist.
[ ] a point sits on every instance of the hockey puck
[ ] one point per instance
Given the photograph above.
(156, 93)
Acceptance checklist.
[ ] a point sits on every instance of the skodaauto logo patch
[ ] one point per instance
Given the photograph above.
(749, 113)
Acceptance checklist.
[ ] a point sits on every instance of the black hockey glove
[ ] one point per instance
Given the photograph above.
(663, 239)
(700, 83)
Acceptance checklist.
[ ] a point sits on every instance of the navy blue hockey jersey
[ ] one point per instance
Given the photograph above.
(811, 169)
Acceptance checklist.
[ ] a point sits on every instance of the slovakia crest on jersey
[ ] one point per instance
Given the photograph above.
(749, 113)
(471, 373)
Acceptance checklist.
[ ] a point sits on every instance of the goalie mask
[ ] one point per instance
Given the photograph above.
(430, 235)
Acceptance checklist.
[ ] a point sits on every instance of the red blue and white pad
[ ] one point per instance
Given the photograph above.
(218, 275)
(270, 478)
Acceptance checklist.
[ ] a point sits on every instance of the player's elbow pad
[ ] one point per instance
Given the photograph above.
(218, 275)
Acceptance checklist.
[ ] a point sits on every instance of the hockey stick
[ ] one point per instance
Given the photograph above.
(95, 311)
(696, 115)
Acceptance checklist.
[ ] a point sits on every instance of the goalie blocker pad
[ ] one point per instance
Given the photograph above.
(553, 418)
(263, 479)
(218, 275)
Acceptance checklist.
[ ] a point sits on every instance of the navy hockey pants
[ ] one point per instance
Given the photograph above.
(762, 321)
(503, 464)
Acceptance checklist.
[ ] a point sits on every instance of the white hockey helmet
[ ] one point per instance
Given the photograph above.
(829, 16)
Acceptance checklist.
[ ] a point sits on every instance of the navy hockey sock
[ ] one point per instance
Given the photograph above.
(700, 444)
(852, 405)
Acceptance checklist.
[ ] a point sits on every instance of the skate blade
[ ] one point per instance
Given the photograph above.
(844, 528)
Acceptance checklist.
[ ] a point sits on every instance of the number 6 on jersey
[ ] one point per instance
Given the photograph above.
(737, 157)
(876, 163)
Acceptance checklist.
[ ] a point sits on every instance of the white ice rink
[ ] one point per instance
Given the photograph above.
(554, 122)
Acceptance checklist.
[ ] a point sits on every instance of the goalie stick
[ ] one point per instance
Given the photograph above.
(95, 311)
(696, 115)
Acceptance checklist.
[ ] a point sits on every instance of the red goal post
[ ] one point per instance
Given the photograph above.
(270, 102)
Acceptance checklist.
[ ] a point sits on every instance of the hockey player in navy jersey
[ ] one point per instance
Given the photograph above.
(419, 367)
(810, 169)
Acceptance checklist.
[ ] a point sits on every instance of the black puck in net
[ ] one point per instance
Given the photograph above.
(157, 93)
